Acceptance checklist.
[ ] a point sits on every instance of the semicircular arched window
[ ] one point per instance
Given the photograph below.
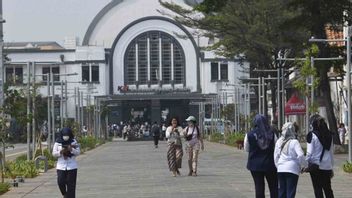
(154, 57)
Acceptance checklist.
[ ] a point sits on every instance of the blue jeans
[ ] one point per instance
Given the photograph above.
(287, 185)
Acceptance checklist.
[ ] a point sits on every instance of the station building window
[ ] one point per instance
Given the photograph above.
(90, 73)
(219, 72)
(54, 70)
(154, 57)
(14, 75)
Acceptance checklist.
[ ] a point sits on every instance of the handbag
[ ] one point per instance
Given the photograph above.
(314, 167)
(190, 136)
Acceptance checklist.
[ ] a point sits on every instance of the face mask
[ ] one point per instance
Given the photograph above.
(66, 138)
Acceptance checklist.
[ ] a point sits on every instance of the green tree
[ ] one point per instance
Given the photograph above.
(317, 16)
(254, 30)
(228, 112)
(15, 105)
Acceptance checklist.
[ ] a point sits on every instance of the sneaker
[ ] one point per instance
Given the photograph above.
(194, 174)
(174, 173)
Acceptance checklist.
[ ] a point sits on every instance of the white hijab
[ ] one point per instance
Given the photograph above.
(288, 133)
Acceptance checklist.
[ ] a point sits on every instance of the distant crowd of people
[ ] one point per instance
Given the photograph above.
(136, 130)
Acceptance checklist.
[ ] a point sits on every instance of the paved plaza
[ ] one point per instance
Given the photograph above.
(138, 170)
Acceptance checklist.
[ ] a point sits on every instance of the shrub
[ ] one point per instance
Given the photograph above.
(87, 142)
(4, 187)
(21, 158)
(234, 138)
(20, 168)
(347, 167)
(216, 137)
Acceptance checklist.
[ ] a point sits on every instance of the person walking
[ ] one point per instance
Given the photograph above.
(342, 133)
(156, 133)
(174, 152)
(260, 143)
(163, 131)
(66, 149)
(289, 158)
(320, 157)
(194, 142)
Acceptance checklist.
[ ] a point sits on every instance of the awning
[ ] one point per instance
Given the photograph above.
(295, 106)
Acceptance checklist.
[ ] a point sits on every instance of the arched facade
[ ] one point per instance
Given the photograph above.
(154, 58)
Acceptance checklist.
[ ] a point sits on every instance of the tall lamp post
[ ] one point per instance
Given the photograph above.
(53, 101)
(1, 57)
(348, 78)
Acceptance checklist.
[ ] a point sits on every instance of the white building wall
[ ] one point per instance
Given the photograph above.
(82, 54)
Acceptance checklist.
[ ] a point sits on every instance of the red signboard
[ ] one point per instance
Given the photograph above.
(295, 106)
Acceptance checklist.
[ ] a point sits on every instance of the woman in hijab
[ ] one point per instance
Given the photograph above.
(66, 149)
(174, 152)
(320, 156)
(260, 143)
(289, 158)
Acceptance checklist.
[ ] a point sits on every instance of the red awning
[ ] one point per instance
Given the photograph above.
(295, 106)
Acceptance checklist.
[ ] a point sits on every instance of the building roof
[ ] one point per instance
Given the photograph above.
(43, 46)
(112, 5)
(335, 33)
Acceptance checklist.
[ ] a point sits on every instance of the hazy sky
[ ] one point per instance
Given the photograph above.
(48, 20)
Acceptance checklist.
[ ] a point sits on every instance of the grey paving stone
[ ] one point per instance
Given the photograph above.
(138, 170)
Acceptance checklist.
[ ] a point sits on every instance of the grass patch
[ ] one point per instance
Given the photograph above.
(4, 187)
(20, 168)
(347, 167)
(232, 139)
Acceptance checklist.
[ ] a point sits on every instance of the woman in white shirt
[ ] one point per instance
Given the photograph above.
(288, 157)
(174, 151)
(66, 149)
(320, 156)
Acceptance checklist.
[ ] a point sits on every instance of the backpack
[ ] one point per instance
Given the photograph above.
(155, 130)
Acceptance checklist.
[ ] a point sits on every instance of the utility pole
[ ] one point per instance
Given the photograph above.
(62, 105)
(66, 101)
(52, 106)
(28, 111)
(49, 112)
(1, 57)
(349, 93)
(79, 110)
(34, 111)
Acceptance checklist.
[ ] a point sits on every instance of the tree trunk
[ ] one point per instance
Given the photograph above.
(326, 97)
(324, 87)
(274, 91)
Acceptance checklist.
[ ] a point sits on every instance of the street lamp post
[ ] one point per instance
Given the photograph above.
(34, 112)
(348, 79)
(1, 57)
(53, 101)
(28, 112)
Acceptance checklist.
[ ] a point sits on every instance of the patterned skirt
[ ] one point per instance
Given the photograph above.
(174, 156)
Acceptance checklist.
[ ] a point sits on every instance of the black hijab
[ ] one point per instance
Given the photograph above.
(65, 132)
(321, 130)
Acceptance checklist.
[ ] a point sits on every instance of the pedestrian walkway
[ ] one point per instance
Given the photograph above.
(138, 170)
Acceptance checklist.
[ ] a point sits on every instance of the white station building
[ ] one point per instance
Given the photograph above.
(136, 58)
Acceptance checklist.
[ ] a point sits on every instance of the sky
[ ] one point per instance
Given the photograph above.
(48, 20)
